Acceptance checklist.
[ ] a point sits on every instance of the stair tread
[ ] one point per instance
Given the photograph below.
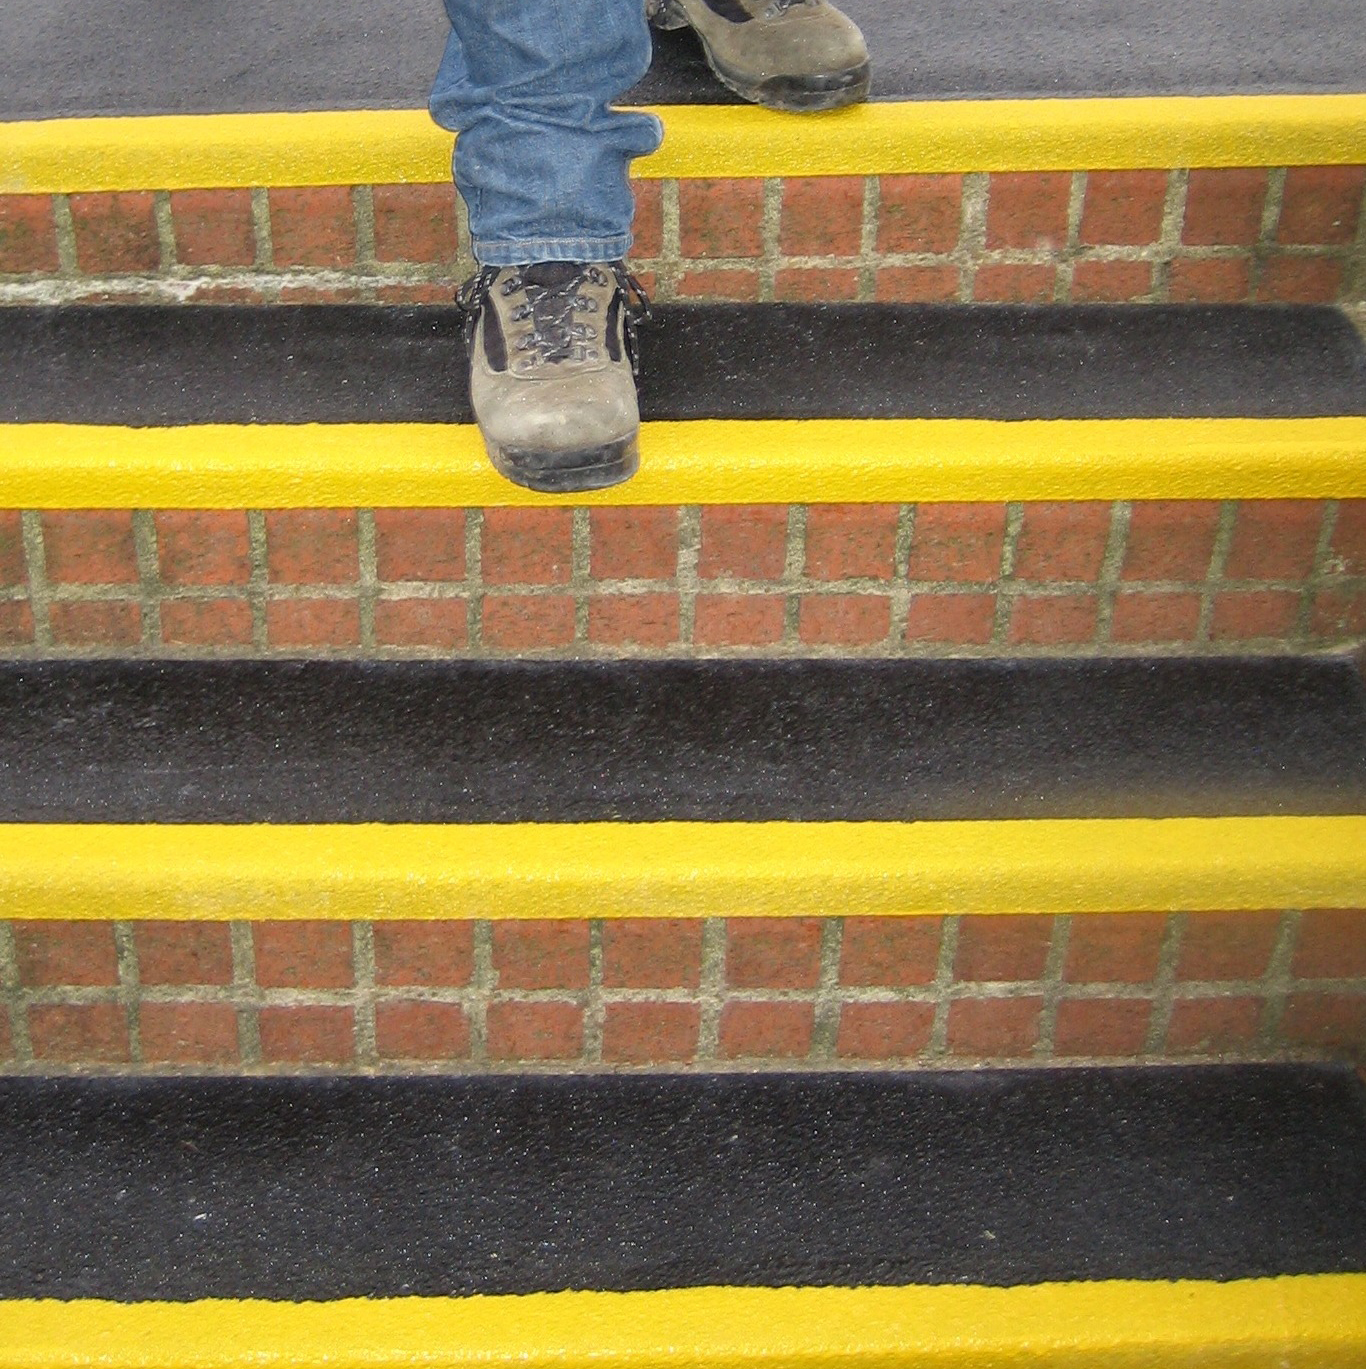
(180, 365)
(63, 59)
(751, 741)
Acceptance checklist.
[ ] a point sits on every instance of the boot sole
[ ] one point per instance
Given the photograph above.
(594, 468)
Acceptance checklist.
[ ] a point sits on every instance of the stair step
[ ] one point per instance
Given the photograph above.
(1210, 1216)
(187, 406)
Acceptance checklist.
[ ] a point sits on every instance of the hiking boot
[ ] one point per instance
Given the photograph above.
(552, 372)
(786, 54)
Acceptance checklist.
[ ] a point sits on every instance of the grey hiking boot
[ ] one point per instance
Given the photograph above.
(786, 54)
(552, 372)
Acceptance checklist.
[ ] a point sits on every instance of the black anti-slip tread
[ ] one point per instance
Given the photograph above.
(177, 1189)
(414, 741)
(171, 365)
(61, 57)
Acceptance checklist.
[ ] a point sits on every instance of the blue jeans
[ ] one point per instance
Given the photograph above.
(541, 161)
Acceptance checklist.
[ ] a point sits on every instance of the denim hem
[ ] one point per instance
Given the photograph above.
(523, 251)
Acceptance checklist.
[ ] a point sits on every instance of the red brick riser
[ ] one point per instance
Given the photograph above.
(995, 579)
(1265, 234)
(727, 993)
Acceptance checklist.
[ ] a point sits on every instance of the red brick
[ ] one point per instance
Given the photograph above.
(633, 543)
(1224, 206)
(1015, 283)
(1333, 1022)
(773, 953)
(649, 953)
(303, 955)
(80, 953)
(420, 544)
(421, 1031)
(822, 216)
(28, 234)
(312, 225)
(1053, 619)
(919, 213)
(90, 547)
(425, 954)
(527, 546)
(535, 1031)
(7, 1052)
(321, 294)
(650, 1033)
(766, 1030)
(208, 293)
(421, 622)
(12, 567)
(1028, 209)
(1274, 539)
(312, 546)
(850, 541)
(1123, 208)
(213, 227)
(415, 292)
(1321, 205)
(890, 952)
(1114, 948)
(1002, 947)
(1156, 617)
(993, 1028)
(198, 547)
(1349, 539)
(964, 619)
(206, 622)
(1339, 613)
(106, 623)
(844, 619)
(188, 1033)
(1220, 280)
(541, 955)
(633, 619)
(1101, 1026)
(916, 284)
(115, 232)
(1062, 541)
(1247, 615)
(414, 222)
(739, 619)
(183, 952)
(1332, 944)
(16, 623)
(1171, 539)
(746, 541)
(307, 1036)
(1212, 1026)
(84, 1033)
(808, 284)
(957, 542)
(520, 622)
(313, 622)
(1111, 282)
(721, 218)
(884, 1031)
(719, 284)
(1300, 280)
(1227, 945)
(647, 229)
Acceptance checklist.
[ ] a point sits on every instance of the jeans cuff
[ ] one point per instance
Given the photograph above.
(523, 251)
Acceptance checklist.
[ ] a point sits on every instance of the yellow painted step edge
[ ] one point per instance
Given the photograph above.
(679, 869)
(364, 147)
(53, 466)
(1293, 1322)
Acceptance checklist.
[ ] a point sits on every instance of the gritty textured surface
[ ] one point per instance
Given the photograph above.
(310, 1189)
(139, 365)
(60, 58)
(506, 742)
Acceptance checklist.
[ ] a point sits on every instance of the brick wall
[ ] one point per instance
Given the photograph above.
(874, 579)
(801, 991)
(1271, 234)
